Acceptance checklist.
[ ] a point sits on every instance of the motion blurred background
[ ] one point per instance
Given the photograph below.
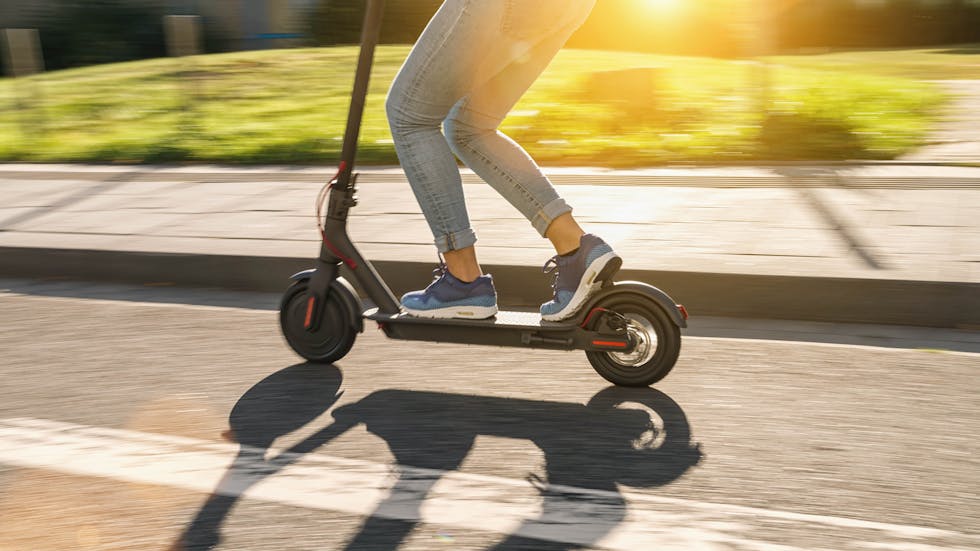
(644, 82)
(808, 446)
(78, 33)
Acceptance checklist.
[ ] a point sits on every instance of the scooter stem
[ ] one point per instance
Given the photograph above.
(337, 246)
(370, 35)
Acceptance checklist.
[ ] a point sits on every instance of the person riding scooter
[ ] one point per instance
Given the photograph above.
(470, 66)
(468, 69)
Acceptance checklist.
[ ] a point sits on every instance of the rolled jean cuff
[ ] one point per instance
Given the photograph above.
(547, 215)
(454, 241)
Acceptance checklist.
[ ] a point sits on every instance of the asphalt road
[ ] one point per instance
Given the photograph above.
(172, 420)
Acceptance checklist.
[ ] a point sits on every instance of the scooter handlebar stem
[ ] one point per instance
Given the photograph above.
(370, 34)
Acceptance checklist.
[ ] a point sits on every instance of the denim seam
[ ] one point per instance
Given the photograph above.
(437, 206)
(514, 182)
(424, 187)
(505, 24)
(411, 96)
(452, 238)
(540, 208)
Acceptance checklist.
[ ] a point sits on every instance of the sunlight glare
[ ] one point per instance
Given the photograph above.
(662, 6)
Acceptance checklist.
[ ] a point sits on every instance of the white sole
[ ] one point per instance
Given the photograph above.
(583, 292)
(455, 312)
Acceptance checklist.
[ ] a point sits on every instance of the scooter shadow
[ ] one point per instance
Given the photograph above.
(593, 447)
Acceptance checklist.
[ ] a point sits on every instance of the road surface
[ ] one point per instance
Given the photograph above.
(142, 418)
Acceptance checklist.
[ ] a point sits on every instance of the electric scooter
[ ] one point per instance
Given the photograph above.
(630, 331)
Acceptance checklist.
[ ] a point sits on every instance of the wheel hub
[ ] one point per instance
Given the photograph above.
(641, 332)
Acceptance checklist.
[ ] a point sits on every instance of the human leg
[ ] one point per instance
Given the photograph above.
(463, 263)
(492, 51)
(445, 62)
(583, 261)
(472, 126)
(414, 119)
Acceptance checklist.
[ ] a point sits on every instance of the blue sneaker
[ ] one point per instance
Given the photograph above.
(578, 276)
(448, 297)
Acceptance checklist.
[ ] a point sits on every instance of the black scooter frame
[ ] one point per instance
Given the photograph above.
(594, 329)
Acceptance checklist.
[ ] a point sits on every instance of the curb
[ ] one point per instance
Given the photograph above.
(943, 177)
(845, 300)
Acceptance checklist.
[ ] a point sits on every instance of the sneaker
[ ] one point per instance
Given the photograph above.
(578, 276)
(448, 297)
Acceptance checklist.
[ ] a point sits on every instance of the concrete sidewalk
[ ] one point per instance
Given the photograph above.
(887, 243)
(957, 137)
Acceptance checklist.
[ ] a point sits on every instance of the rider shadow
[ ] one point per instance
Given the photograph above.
(635, 437)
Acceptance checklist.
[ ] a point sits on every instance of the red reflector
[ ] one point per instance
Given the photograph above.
(614, 344)
(309, 312)
(683, 310)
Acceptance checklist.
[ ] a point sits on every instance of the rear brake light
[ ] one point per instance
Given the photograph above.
(683, 310)
(611, 344)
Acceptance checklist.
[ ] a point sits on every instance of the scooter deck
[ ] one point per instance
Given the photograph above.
(522, 329)
(503, 320)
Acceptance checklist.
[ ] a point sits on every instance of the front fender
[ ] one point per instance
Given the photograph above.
(305, 274)
(343, 289)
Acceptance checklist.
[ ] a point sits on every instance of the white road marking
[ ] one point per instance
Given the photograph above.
(596, 518)
(802, 340)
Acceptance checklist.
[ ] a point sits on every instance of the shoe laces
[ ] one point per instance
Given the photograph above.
(441, 270)
(552, 266)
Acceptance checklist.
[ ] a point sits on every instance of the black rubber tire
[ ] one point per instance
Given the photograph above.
(668, 343)
(336, 334)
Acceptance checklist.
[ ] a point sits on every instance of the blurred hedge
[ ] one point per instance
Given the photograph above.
(612, 26)
(75, 33)
(339, 21)
(85, 32)
(616, 25)
(896, 23)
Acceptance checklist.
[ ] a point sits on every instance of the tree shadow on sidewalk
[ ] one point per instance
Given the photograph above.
(855, 241)
(635, 437)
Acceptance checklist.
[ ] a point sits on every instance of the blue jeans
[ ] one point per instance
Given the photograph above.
(471, 65)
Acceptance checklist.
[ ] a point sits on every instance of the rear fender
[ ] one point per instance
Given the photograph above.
(662, 299)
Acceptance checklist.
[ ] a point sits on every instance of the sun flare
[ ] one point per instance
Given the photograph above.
(662, 6)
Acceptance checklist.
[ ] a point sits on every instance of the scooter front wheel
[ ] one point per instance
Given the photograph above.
(657, 337)
(334, 335)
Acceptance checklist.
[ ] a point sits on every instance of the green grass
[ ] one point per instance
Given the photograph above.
(944, 63)
(289, 106)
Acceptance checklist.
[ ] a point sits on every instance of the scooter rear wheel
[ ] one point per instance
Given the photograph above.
(658, 343)
(334, 336)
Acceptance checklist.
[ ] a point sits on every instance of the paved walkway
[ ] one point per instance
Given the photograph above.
(884, 222)
(880, 222)
(957, 139)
